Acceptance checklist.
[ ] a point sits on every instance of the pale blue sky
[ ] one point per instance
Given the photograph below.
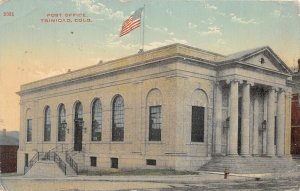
(31, 50)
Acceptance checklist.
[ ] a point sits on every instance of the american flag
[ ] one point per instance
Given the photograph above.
(132, 22)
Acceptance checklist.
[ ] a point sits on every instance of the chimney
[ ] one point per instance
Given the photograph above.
(299, 65)
(4, 132)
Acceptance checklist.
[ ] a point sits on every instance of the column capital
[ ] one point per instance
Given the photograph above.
(272, 88)
(228, 81)
(247, 82)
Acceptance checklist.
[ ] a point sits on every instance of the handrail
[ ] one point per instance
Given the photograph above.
(71, 162)
(62, 165)
(31, 162)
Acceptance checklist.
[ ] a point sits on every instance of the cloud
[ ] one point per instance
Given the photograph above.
(169, 12)
(221, 41)
(33, 27)
(99, 9)
(276, 13)
(124, 1)
(214, 30)
(157, 44)
(192, 25)
(161, 30)
(240, 20)
(3, 1)
(208, 6)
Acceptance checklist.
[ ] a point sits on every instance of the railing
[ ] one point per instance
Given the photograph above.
(50, 155)
(31, 163)
(62, 165)
(71, 162)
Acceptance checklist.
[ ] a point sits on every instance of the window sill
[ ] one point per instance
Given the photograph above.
(196, 143)
(154, 142)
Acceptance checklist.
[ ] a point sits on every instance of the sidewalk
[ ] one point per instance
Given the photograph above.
(180, 179)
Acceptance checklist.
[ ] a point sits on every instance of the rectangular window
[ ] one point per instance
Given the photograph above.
(47, 132)
(197, 124)
(29, 130)
(114, 162)
(96, 131)
(26, 159)
(151, 162)
(155, 123)
(93, 161)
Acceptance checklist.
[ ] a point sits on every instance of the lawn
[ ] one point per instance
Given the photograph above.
(137, 172)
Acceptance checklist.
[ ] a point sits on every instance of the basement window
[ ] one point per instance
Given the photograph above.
(114, 162)
(93, 161)
(151, 162)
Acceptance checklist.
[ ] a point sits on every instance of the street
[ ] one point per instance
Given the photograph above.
(158, 183)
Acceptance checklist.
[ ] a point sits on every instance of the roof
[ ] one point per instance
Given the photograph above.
(150, 56)
(242, 54)
(8, 140)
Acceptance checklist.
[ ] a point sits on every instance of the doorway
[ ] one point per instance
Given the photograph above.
(78, 122)
(239, 126)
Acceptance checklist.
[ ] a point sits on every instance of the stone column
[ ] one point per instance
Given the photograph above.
(233, 122)
(270, 122)
(218, 118)
(245, 120)
(256, 125)
(280, 123)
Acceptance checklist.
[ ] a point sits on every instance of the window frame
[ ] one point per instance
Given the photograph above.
(61, 119)
(47, 124)
(96, 124)
(28, 130)
(151, 137)
(194, 138)
(118, 115)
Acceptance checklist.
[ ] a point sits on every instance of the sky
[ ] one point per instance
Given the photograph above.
(32, 48)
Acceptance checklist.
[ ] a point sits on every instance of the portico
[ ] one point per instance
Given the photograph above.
(241, 123)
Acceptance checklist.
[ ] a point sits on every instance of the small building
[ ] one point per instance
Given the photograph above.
(8, 153)
(173, 107)
(295, 124)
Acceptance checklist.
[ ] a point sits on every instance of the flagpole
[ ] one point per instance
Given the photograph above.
(143, 29)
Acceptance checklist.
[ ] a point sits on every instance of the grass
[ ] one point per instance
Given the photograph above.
(137, 172)
(10, 174)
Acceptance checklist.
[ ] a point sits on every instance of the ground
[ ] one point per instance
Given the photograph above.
(203, 181)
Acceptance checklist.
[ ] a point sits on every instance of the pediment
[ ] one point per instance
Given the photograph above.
(267, 59)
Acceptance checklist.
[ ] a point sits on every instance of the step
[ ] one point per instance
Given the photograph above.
(45, 169)
(249, 164)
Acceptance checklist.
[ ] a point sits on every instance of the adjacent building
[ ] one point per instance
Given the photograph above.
(8, 153)
(172, 107)
(295, 131)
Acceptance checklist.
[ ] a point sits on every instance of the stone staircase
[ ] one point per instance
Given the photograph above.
(49, 164)
(249, 165)
(45, 169)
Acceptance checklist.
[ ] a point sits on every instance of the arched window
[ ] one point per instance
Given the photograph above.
(78, 111)
(47, 124)
(62, 125)
(118, 119)
(154, 103)
(96, 120)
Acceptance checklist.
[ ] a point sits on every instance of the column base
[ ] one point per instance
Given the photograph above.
(245, 155)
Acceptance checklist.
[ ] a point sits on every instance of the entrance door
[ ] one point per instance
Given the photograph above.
(239, 136)
(239, 126)
(78, 122)
(78, 135)
(295, 147)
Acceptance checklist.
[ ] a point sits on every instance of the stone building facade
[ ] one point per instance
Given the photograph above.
(171, 107)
